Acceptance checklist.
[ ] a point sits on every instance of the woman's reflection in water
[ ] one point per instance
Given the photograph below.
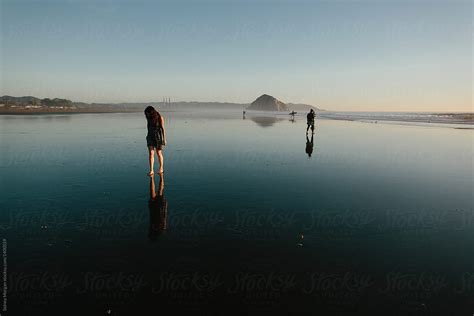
(158, 207)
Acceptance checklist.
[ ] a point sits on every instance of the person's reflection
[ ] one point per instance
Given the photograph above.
(309, 145)
(158, 207)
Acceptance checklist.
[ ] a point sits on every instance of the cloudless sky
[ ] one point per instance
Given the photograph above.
(339, 55)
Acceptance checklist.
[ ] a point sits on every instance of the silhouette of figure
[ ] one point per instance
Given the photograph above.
(243, 114)
(158, 207)
(310, 120)
(292, 116)
(156, 137)
(309, 145)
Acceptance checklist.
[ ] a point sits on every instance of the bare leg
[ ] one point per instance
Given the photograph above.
(152, 187)
(161, 185)
(151, 157)
(160, 159)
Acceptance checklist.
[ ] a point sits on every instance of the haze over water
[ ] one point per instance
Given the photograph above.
(379, 218)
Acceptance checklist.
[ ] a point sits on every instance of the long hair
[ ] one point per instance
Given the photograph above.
(152, 114)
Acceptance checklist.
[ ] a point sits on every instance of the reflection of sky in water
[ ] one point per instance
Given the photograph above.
(373, 197)
(256, 159)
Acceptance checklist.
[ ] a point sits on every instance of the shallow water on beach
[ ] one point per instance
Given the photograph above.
(379, 218)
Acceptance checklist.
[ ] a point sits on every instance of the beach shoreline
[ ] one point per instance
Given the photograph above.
(454, 120)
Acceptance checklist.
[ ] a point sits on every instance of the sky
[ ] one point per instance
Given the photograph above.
(338, 55)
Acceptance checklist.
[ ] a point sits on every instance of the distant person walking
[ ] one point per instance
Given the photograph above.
(310, 120)
(156, 137)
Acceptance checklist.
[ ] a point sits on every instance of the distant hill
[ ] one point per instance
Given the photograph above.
(10, 101)
(31, 105)
(266, 102)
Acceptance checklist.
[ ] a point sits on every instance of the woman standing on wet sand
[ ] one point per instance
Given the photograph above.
(156, 137)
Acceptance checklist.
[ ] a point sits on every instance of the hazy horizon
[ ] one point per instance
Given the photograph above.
(413, 56)
(248, 103)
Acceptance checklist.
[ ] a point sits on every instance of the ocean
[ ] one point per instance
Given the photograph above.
(255, 216)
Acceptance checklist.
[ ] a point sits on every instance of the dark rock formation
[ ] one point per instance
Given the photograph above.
(266, 102)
